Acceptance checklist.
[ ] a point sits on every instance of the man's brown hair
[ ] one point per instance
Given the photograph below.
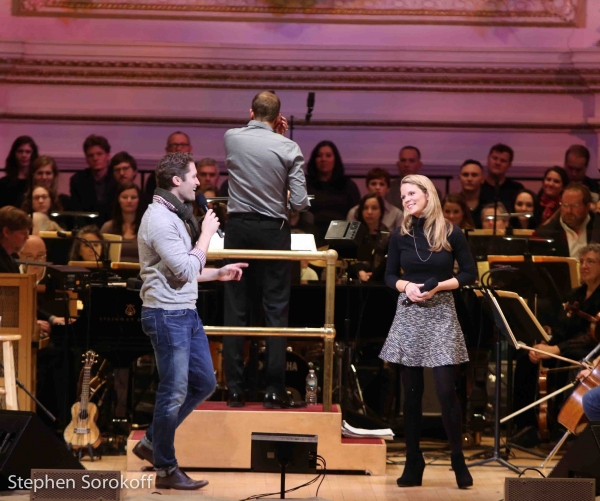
(172, 164)
(378, 173)
(583, 189)
(14, 219)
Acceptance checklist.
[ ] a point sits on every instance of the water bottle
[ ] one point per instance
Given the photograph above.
(311, 386)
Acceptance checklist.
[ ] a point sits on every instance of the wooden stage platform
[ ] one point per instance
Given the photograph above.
(217, 436)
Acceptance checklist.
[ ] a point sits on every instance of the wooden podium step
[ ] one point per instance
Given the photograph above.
(217, 436)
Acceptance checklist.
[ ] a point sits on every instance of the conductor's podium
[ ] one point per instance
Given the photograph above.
(217, 436)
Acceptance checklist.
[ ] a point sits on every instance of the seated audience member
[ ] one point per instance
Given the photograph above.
(335, 193)
(93, 189)
(208, 174)
(372, 251)
(499, 162)
(41, 222)
(89, 250)
(577, 159)
(15, 226)
(526, 202)
(457, 212)
(487, 217)
(555, 181)
(127, 216)
(177, 141)
(471, 178)
(123, 168)
(378, 182)
(409, 162)
(44, 172)
(13, 185)
(41, 199)
(573, 228)
(33, 250)
(571, 338)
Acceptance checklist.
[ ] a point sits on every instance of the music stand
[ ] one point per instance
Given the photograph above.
(491, 298)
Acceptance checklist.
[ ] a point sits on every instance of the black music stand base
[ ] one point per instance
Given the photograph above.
(510, 445)
(496, 456)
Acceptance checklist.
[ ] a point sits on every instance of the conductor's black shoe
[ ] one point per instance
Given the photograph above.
(180, 481)
(281, 401)
(235, 399)
(143, 452)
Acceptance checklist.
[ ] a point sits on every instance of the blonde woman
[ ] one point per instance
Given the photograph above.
(425, 331)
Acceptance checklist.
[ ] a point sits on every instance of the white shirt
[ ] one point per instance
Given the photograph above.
(577, 239)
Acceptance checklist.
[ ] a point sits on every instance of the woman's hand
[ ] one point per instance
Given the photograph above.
(413, 292)
(429, 294)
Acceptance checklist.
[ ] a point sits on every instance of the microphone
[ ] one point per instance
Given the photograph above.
(430, 284)
(201, 202)
(310, 104)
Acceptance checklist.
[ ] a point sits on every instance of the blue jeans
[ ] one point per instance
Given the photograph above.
(591, 404)
(186, 376)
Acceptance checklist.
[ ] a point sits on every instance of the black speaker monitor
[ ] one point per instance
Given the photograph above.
(582, 460)
(345, 237)
(271, 451)
(27, 443)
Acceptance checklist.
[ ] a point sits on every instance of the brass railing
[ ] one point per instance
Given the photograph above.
(327, 332)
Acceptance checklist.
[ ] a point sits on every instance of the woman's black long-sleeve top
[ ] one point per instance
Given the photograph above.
(402, 255)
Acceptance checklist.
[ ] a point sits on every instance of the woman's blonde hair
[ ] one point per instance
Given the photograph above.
(436, 228)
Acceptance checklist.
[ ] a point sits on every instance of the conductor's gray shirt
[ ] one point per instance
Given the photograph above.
(262, 166)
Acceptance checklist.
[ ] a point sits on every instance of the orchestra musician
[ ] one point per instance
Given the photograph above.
(425, 331)
(591, 399)
(172, 261)
(572, 337)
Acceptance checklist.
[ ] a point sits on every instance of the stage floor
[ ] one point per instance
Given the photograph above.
(438, 480)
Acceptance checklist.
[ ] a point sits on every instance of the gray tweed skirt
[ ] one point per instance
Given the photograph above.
(426, 334)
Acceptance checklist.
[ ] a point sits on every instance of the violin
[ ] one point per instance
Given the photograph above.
(574, 309)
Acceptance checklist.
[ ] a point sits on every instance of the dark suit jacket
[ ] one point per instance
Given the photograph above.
(83, 195)
(555, 231)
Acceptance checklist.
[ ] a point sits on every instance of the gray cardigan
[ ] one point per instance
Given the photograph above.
(167, 267)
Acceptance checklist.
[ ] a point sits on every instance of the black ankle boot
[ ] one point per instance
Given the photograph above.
(412, 475)
(463, 477)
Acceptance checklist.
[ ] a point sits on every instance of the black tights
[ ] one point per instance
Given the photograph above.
(412, 383)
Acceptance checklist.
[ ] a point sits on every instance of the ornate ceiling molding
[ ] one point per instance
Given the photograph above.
(484, 12)
(365, 77)
(228, 122)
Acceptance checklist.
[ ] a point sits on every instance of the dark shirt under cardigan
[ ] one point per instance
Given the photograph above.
(402, 255)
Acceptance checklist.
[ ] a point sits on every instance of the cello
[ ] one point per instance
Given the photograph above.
(572, 411)
(571, 415)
